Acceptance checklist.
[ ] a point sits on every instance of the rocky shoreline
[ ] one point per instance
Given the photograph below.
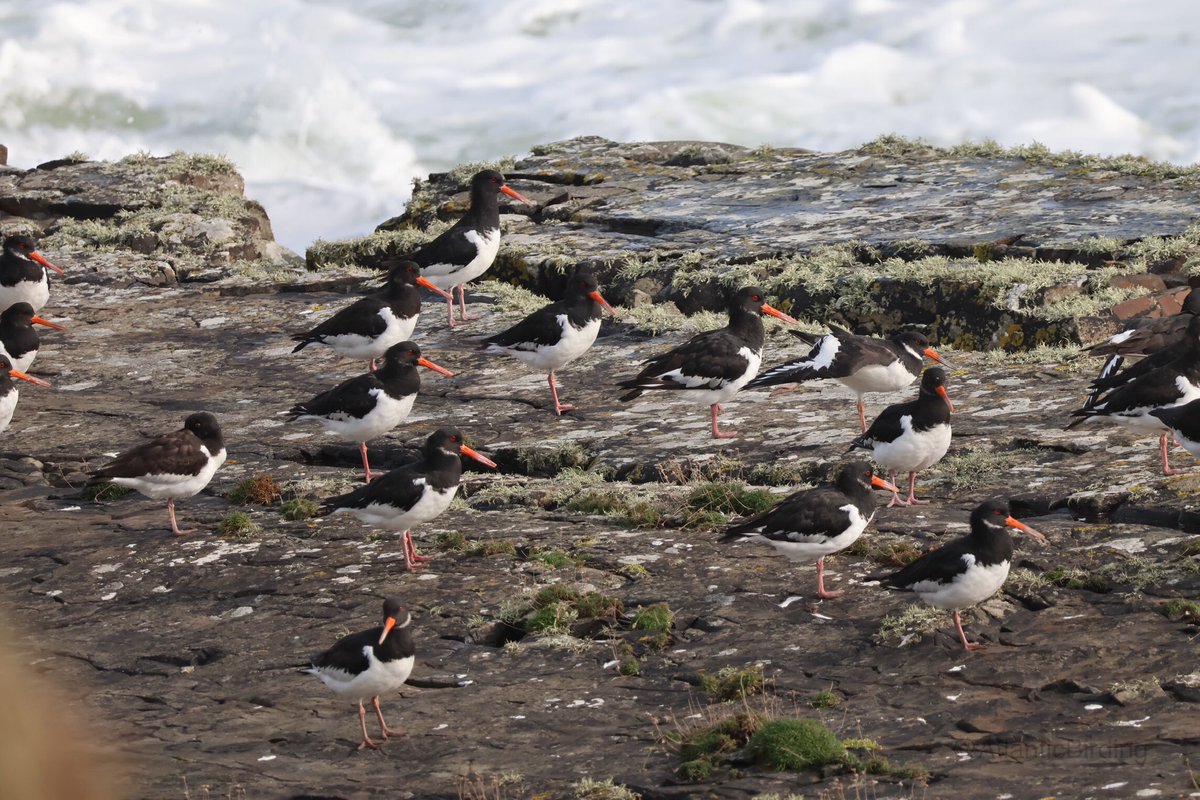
(184, 651)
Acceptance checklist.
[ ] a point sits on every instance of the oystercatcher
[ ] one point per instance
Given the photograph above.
(1146, 337)
(370, 405)
(814, 523)
(8, 390)
(968, 570)
(557, 334)
(863, 363)
(370, 325)
(468, 248)
(909, 437)
(23, 276)
(18, 338)
(371, 663)
(411, 494)
(1180, 347)
(711, 367)
(1182, 421)
(1130, 404)
(174, 465)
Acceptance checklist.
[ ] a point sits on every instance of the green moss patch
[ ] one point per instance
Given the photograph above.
(794, 744)
(104, 492)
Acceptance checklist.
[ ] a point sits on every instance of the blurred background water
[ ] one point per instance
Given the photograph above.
(331, 107)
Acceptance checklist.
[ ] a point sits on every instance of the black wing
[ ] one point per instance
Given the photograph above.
(539, 328)
(834, 355)
(176, 453)
(709, 359)
(347, 653)
(399, 488)
(351, 398)
(1149, 336)
(940, 566)
(452, 247)
(807, 514)
(360, 317)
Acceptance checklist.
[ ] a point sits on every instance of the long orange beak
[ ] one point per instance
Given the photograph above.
(41, 259)
(388, 624)
(1023, 528)
(880, 483)
(513, 193)
(428, 284)
(775, 312)
(427, 364)
(48, 323)
(941, 390)
(603, 303)
(931, 353)
(35, 381)
(466, 451)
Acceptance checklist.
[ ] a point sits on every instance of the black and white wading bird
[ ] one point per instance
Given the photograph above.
(863, 363)
(814, 523)
(19, 340)
(1130, 403)
(711, 367)
(468, 248)
(173, 466)
(557, 334)
(8, 390)
(23, 273)
(365, 665)
(412, 494)
(966, 571)
(909, 437)
(362, 408)
(370, 325)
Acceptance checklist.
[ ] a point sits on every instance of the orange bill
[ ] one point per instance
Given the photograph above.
(466, 451)
(931, 353)
(39, 321)
(35, 381)
(427, 364)
(41, 259)
(513, 193)
(775, 312)
(941, 390)
(428, 284)
(388, 624)
(603, 303)
(1023, 528)
(880, 483)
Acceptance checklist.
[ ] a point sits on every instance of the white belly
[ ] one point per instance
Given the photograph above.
(813, 549)
(878, 378)
(37, 294)
(974, 586)
(8, 405)
(913, 450)
(21, 364)
(696, 394)
(571, 345)
(379, 678)
(354, 345)
(447, 276)
(387, 414)
(159, 487)
(380, 515)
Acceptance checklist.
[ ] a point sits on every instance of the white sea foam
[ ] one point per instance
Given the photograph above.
(331, 107)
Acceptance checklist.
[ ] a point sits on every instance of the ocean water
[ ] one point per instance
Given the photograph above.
(331, 107)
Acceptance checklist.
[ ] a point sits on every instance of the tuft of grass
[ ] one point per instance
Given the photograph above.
(731, 683)
(588, 789)
(1178, 609)
(492, 547)
(553, 558)
(1074, 578)
(550, 461)
(238, 525)
(299, 508)
(794, 745)
(452, 541)
(258, 490)
(712, 504)
(910, 625)
(105, 492)
(826, 698)
(657, 617)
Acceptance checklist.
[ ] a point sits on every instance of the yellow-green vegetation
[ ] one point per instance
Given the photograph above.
(324, 254)
(1075, 578)
(547, 461)
(711, 504)
(794, 744)
(965, 470)
(553, 608)
(657, 617)
(910, 625)
(451, 541)
(585, 492)
(299, 508)
(238, 525)
(588, 789)
(826, 698)
(1179, 609)
(733, 683)
(260, 489)
(104, 492)
(491, 547)
(553, 558)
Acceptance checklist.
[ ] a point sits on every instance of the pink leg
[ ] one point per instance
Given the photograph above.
(862, 414)
(362, 721)
(895, 501)
(175, 525)
(559, 408)
(383, 727)
(411, 559)
(450, 307)
(912, 488)
(362, 448)
(462, 303)
(968, 646)
(371, 365)
(821, 581)
(1162, 440)
(716, 430)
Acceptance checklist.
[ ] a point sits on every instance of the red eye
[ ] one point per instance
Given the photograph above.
(23, 246)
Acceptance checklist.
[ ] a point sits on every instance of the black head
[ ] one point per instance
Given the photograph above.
(932, 378)
(753, 300)
(20, 246)
(994, 516)
(449, 441)
(488, 183)
(395, 615)
(918, 343)
(401, 354)
(859, 476)
(20, 314)
(1191, 304)
(203, 425)
(489, 179)
(583, 282)
(5, 366)
(404, 273)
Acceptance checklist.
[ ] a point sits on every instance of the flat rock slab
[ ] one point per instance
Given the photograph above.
(184, 651)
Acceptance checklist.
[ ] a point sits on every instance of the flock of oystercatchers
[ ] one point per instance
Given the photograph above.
(1159, 394)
